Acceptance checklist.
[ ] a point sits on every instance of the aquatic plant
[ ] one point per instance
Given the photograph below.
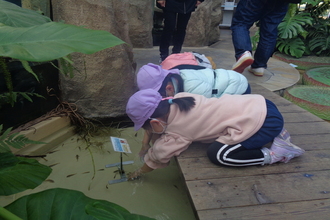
(314, 99)
(318, 76)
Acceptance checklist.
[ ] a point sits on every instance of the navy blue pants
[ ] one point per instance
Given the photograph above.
(269, 13)
(249, 152)
(175, 25)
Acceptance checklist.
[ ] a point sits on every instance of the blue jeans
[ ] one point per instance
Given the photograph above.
(269, 13)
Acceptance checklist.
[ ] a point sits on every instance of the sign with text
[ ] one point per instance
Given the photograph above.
(120, 145)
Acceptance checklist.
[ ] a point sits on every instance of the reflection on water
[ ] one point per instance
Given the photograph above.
(160, 194)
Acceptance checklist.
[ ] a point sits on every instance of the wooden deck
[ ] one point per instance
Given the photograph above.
(299, 189)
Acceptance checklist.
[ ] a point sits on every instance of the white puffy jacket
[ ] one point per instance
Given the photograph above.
(213, 83)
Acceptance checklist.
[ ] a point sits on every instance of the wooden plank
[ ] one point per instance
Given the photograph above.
(305, 141)
(254, 190)
(315, 209)
(321, 127)
(301, 117)
(200, 168)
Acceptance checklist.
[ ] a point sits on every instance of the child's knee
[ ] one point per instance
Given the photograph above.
(214, 152)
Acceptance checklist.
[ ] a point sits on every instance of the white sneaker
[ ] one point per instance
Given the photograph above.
(283, 150)
(257, 71)
(243, 61)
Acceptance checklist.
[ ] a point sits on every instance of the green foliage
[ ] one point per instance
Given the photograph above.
(51, 41)
(69, 204)
(15, 16)
(14, 140)
(12, 97)
(307, 29)
(303, 32)
(29, 36)
(292, 26)
(255, 40)
(294, 47)
(18, 174)
(320, 38)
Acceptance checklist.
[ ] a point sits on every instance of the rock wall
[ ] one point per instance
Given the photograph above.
(106, 78)
(141, 23)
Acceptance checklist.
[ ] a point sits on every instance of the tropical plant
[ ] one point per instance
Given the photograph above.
(14, 140)
(28, 36)
(305, 31)
(314, 99)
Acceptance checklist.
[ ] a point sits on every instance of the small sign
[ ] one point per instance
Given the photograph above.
(120, 145)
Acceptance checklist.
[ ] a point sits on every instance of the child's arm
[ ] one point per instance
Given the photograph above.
(137, 173)
(145, 143)
(148, 136)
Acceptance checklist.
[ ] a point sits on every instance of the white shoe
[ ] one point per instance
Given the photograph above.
(243, 61)
(283, 150)
(257, 71)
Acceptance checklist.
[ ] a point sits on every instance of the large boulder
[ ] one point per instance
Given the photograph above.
(203, 27)
(106, 79)
(140, 21)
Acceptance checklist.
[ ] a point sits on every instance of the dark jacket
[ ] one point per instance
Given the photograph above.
(180, 6)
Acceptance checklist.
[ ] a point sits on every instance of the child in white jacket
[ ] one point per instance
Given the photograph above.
(238, 127)
(193, 79)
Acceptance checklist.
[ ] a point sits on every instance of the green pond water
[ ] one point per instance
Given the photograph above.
(160, 194)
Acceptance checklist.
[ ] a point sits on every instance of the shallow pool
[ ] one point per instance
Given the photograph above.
(160, 194)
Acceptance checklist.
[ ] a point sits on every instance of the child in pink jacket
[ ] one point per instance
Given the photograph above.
(236, 126)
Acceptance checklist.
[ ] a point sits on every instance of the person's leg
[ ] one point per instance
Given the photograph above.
(234, 155)
(180, 32)
(168, 30)
(247, 12)
(272, 16)
(272, 131)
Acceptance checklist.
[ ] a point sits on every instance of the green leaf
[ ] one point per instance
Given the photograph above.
(293, 26)
(15, 16)
(28, 68)
(26, 96)
(21, 174)
(15, 140)
(294, 47)
(51, 41)
(68, 204)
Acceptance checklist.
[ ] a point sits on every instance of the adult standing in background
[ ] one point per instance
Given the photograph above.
(269, 13)
(176, 16)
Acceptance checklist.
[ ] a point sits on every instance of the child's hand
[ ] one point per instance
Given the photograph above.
(138, 173)
(134, 176)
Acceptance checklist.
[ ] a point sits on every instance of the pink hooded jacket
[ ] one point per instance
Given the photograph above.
(229, 119)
